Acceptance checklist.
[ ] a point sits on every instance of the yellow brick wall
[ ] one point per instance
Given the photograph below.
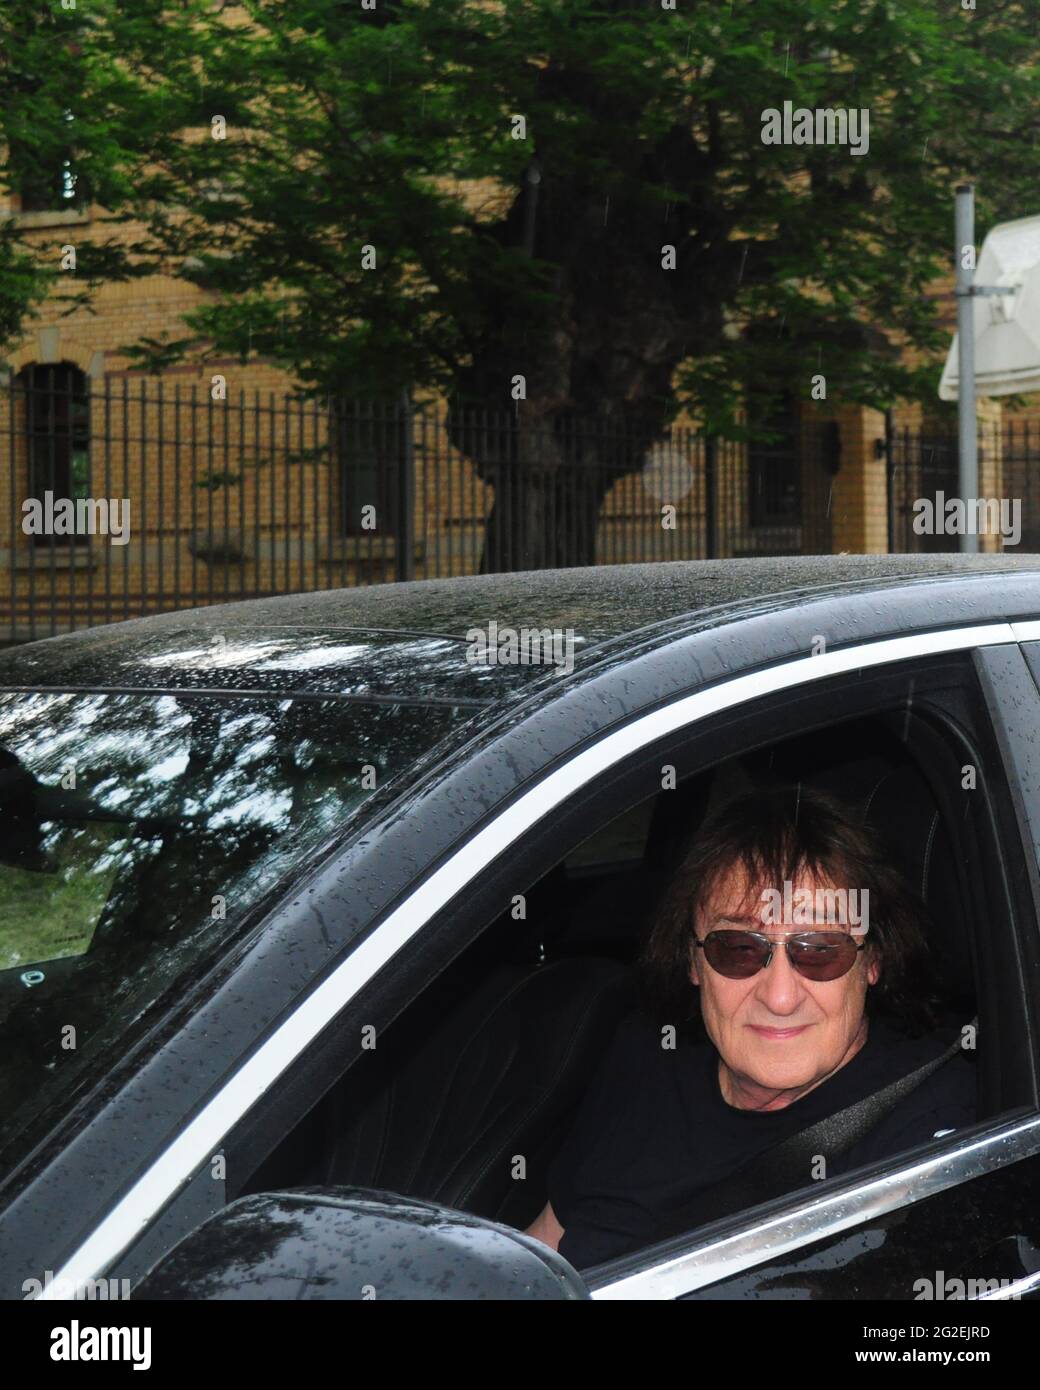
(285, 514)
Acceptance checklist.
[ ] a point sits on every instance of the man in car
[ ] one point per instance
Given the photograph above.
(786, 979)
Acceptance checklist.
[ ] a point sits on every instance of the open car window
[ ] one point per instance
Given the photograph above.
(492, 1060)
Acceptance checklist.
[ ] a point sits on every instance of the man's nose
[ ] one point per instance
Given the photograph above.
(779, 985)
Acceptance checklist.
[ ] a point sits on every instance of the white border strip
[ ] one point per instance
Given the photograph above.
(203, 1136)
(1026, 632)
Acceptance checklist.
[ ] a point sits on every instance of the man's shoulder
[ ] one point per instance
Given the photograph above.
(641, 1035)
(897, 1054)
(951, 1087)
(944, 1101)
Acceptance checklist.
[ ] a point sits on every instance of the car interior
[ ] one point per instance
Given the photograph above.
(491, 1061)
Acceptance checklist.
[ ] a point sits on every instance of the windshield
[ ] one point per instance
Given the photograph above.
(136, 834)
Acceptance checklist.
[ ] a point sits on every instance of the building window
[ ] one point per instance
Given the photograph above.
(370, 444)
(775, 465)
(57, 432)
(934, 469)
(47, 180)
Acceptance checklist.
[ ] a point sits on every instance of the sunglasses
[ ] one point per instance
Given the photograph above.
(818, 955)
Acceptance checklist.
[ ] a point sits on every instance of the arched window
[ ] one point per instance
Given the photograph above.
(57, 434)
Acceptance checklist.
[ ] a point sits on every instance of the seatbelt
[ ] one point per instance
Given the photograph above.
(786, 1166)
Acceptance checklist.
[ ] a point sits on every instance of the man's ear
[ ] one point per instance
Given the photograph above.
(695, 976)
(873, 966)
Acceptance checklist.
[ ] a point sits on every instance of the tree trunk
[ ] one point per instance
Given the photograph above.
(543, 519)
(550, 473)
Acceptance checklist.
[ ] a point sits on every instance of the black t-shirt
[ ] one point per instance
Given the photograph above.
(653, 1129)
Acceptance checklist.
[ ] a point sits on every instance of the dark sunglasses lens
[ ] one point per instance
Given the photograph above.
(735, 954)
(823, 955)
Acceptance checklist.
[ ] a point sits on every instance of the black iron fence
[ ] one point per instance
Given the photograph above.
(122, 499)
(923, 470)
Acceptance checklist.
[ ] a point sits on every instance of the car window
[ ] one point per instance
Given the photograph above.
(137, 835)
(618, 845)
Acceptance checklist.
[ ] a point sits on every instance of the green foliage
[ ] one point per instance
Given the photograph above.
(349, 128)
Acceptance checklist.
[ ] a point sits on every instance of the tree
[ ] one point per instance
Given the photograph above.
(635, 244)
(60, 149)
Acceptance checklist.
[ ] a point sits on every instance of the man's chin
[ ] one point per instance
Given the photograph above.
(776, 1074)
(793, 1081)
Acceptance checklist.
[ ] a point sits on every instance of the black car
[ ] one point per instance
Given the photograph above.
(319, 911)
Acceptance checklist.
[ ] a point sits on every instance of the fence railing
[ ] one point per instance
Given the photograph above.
(120, 500)
(923, 467)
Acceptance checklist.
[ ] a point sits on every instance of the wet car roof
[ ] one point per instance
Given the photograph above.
(407, 642)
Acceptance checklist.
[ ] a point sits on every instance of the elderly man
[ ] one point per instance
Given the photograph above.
(804, 949)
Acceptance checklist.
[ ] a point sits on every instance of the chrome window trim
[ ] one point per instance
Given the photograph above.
(1026, 1285)
(205, 1133)
(1029, 1283)
(817, 1218)
(1026, 632)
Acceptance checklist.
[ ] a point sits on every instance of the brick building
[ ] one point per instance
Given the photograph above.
(236, 486)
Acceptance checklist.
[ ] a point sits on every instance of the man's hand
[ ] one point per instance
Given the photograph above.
(546, 1228)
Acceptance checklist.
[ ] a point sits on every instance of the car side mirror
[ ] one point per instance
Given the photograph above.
(354, 1243)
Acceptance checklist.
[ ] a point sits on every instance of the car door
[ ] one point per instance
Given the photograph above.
(959, 1221)
(366, 982)
(904, 1200)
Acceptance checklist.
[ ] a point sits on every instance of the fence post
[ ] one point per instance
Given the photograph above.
(890, 482)
(405, 541)
(711, 545)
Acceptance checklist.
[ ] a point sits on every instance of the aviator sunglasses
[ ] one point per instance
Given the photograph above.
(818, 955)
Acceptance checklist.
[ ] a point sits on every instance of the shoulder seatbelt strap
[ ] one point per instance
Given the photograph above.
(786, 1165)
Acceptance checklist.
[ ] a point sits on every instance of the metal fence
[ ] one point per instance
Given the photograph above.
(124, 499)
(923, 465)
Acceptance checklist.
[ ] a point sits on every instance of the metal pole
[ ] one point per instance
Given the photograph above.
(967, 455)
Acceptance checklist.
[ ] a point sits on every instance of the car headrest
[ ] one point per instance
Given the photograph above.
(903, 811)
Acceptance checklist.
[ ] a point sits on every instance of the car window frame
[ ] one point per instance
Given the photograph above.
(603, 799)
(209, 1129)
(928, 1183)
(761, 1235)
(755, 1237)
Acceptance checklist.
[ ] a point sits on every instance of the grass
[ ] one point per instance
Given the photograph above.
(48, 916)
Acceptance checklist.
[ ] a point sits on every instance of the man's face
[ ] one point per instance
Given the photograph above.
(776, 1031)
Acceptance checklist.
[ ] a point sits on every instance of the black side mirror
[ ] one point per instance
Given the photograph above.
(353, 1243)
